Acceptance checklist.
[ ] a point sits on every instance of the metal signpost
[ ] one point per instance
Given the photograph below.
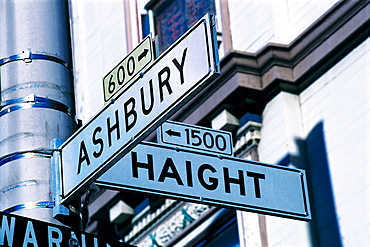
(195, 137)
(167, 84)
(130, 66)
(21, 231)
(211, 178)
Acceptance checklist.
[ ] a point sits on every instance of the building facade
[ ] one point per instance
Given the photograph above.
(294, 90)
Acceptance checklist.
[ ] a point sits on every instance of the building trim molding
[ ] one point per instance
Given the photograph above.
(249, 80)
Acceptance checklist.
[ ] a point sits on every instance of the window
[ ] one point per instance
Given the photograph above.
(172, 18)
(226, 236)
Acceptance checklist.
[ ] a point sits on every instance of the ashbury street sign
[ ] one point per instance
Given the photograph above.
(211, 178)
(167, 84)
(196, 164)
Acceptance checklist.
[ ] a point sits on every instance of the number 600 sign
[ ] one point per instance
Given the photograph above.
(128, 68)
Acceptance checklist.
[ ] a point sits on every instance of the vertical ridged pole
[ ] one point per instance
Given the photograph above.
(37, 101)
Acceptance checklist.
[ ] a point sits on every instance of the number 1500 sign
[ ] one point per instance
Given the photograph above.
(195, 137)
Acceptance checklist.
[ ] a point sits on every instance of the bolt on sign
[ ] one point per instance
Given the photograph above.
(174, 78)
(21, 231)
(211, 178)
(128, 68)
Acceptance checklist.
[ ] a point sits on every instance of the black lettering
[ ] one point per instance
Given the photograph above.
(189, 174)
(147, 111)
(136, 165)
(121, 68)
(229, 180)
(164, 82)
(180, 67)
(114, 127)
(165, 173)
(83, 156)
(213, 181)
(256, 177)
(211, 142)
(132, 70)
(223, 141)
(98, 141)
(129, 113)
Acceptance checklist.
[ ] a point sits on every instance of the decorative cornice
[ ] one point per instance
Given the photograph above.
(332, 36)
(247, 138)
(249, 80)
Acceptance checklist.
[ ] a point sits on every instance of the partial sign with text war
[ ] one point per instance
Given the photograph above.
(22, 231)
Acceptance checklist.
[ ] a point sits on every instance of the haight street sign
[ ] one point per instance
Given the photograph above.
(21, 231)
(195, 137)
(212, 179)
(167, 84)
(133, 63)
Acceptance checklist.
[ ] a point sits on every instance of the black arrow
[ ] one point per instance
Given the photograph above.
(173, 133)
(143, 54)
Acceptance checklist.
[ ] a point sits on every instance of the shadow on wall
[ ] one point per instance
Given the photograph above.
(312, 157)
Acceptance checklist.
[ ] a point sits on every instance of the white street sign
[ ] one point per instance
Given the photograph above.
(167, 84)
(209, 178)
(132, 64)
(195, 137)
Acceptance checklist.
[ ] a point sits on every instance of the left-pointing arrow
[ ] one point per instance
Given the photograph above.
(143, 54)
(173, 133)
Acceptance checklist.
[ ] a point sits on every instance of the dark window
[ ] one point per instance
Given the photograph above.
(172, 18)
(226, 236)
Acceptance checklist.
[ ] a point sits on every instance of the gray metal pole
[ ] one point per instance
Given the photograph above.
(37, 101)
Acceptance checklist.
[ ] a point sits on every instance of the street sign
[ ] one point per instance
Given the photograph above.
(21, 231)
(130, 66)
(195, 137)
(212, 179)
(168, 83)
